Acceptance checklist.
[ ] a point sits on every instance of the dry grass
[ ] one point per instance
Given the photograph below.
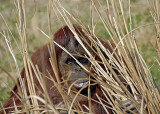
(119, 27)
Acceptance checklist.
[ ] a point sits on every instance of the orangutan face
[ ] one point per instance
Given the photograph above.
(70, 69)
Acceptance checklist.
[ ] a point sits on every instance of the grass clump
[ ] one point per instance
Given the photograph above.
(125, 58)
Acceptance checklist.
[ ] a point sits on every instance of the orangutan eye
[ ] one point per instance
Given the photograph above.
(70, 60)
(82, 60)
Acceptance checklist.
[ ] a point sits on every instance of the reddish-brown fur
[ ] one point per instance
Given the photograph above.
(41, 59)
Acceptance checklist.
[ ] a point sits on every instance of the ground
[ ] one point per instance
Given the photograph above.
(36, 19)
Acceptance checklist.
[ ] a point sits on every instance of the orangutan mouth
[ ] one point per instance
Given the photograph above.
(81, 84)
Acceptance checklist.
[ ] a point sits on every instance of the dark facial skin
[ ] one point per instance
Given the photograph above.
(70, 69)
